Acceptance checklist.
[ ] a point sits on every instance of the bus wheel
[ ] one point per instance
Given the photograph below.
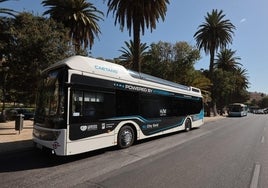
(188, 125)
(125, 137)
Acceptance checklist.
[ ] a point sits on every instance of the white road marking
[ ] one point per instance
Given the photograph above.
(262, 139)
(255, 177)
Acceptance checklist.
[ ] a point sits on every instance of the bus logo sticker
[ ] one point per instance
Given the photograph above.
(150, 126)
(103, 126)
(109, 125)
(106, 69)
(55, 145)
(92, 127)
(163, 112)
(83, 128)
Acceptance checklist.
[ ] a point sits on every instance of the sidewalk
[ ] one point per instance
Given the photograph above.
(213, 118)
(12, 141)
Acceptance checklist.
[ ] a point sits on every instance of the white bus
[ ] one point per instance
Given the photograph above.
(237, 110)
(86, 104)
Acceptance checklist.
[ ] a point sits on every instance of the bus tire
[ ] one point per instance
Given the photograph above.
(188, 125)
(125, 137)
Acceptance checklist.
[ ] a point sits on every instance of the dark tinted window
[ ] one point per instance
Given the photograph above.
(166, 106)
(88, 106)
(127, 103)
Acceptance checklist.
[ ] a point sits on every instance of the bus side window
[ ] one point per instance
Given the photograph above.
(77, 101)
(89, 109)
(89, 100)
(90, 106)
(127, 103)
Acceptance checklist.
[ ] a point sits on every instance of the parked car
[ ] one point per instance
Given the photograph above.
(12, 113)
(260, 111)
(265, 110)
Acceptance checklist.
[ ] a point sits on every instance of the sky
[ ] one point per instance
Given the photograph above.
(182, 19)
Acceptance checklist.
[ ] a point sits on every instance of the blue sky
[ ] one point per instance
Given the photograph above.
(181, 22)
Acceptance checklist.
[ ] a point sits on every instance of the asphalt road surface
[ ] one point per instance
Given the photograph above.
(231, 153)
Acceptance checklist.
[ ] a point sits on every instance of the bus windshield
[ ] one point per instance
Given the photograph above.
(50, 101)
(235, 108)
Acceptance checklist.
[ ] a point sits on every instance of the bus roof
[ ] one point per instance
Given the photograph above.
(112, 70)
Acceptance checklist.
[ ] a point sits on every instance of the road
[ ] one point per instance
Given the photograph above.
(231, 153)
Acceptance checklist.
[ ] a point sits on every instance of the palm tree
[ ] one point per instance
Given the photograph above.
(215, 33)
(126, 58)
(241, 78)
(136, 15)
(6, 10)
(240, 84)
(79, 16)
(227, 61)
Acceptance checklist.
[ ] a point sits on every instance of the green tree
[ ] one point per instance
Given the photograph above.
(223, 87)
(230, 86)
(4, 39)
(4, 36)
(126, 58)
(235, 82)
(136, 15)
(158, 60)
(175, 62)
(199, 80)
(185, 56)
(215, 33)
(263, 103)
(80, 17)
(37, 43)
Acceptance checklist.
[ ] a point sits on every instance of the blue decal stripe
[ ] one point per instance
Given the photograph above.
(199, 116)
(169, 127)
(140, 118)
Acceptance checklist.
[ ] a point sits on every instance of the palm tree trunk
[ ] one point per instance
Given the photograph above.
(136, 50)
(211, 77)
(77, 47)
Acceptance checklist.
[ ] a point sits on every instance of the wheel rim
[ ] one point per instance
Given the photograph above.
(188, 125)
(187, 128)
(126, 137)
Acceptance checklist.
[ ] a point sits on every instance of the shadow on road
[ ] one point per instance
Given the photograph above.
(31, 158)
